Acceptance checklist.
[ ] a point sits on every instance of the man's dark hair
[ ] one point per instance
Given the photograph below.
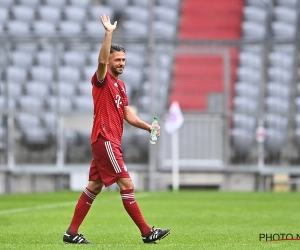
(116, 47)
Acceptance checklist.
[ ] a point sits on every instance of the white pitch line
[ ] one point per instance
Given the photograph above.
(50, 206)
(25, 209)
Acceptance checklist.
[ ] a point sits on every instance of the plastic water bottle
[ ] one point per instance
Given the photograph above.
(154, 125)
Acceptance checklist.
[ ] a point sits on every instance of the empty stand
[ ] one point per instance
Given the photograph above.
(216, 20)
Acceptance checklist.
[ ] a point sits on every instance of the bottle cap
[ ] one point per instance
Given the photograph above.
(155, 118)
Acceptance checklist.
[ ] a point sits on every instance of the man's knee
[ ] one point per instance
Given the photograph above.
(125, 184)
(95, 186)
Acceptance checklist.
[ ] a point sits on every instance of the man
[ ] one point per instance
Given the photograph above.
(107, 167)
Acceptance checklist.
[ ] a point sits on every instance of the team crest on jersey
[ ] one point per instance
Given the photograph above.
(116, 85)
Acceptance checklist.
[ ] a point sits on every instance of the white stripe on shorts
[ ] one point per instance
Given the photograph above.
(112, 157)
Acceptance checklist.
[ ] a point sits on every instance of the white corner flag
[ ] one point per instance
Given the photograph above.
(175, 118)
(173, 123)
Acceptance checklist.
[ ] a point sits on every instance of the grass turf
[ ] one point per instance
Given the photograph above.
(198, 219)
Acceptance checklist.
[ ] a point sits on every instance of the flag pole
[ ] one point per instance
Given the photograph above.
(175, 161)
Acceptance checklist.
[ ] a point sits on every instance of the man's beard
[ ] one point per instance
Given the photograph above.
(115, 71)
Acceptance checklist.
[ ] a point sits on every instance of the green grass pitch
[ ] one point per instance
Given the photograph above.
(198, 219)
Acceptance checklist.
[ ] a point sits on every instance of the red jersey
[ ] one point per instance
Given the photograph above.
(109, 101)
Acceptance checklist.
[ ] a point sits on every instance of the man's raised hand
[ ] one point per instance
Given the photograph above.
(106, 23)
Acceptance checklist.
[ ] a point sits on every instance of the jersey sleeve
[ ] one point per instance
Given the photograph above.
(96, 82)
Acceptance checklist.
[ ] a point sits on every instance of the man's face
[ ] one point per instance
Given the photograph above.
(116, 62)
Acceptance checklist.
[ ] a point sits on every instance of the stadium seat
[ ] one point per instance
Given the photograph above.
(16, 74)
(4, 15)
(144, 103)
(252, 48)
(250, 59)
(175, 4)
(29, 47)
(7, 3)
(134, 59)
(25, 120)
(63, 104)
(246, 74)
(165, 61)
(91, 28)
(45, 58)
(165, 14)
(117, 5)
(30, 103)
(255, 14)
(277, 74)
(38, 89)
(10, 101)
(56, 3)
(141, 3)
(242, 140)
(21, 58)
(137, 13)
(164, 31)
(75, 14)
(277, 105)
(14, 90)
(258, 3)
(85, 89)
(37, 137)
(97, 11)
(277, 122)
(275, 141)
(88, 72)
(18, 28)
(69, 74)
(244, 121)
(83, 103)
(288, 3)
(44, 28)
(69, 28)
(132, 76)
(50, 122)
(42, 74)
(253, 30)
(247, 90)
(245, 105)
(285, 14)
(74, 58)
(92, 58)
(282, 30)
(30, 3)
(23, 13)
(64, 89)
(276, 89)
(134, 30)
(81, 3)
(281, 59)
(285, 48)
(49, 13)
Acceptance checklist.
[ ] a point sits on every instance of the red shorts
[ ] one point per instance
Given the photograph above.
(107, 164)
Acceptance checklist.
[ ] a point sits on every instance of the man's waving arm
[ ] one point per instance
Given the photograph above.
(105, 48)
